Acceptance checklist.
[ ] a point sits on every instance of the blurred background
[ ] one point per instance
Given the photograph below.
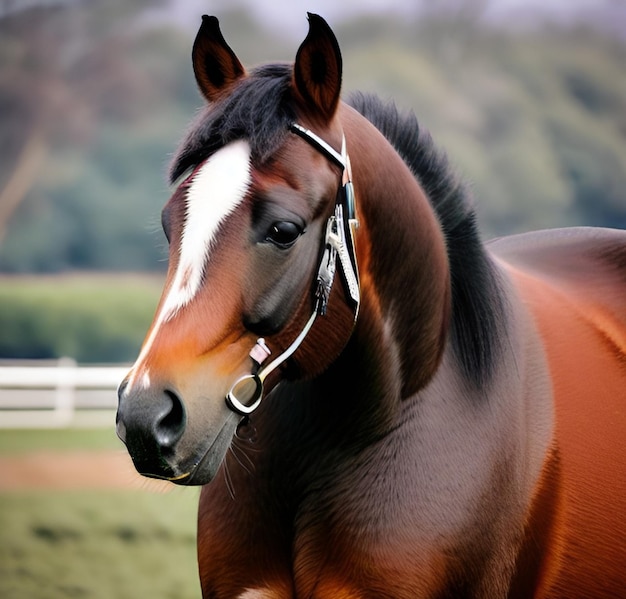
(528, 98)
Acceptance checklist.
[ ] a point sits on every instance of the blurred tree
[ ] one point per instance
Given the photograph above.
(106, 92)
(64, 66)
(536, 119)
(64, 73)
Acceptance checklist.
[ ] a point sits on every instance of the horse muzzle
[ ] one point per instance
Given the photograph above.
(153, 424)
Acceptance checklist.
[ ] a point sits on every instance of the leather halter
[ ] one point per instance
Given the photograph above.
(246, 394)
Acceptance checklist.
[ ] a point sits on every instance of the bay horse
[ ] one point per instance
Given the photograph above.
(377, 403)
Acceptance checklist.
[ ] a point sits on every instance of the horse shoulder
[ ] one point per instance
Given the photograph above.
(573, 282)
(243, 547)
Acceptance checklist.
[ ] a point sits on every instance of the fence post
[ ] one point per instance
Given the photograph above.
(65, 396)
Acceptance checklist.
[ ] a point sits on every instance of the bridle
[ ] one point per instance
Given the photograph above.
(246, 394)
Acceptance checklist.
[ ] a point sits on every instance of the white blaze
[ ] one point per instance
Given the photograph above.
(219, 186)
(217, 189)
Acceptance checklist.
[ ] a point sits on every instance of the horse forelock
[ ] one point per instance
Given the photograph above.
(258, 109)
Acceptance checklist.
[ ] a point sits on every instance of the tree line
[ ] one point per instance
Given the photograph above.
(94, 97)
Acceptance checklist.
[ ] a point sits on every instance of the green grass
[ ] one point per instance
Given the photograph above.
(22, 441)
(88, 317)
(94, 544)
(98, 545)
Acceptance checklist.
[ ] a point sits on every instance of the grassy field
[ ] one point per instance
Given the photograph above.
(22, 441)
(89, 317)
(94, 543)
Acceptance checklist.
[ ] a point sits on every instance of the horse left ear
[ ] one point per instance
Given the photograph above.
(214, 63)
(317, 70)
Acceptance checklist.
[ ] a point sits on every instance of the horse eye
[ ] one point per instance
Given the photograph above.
(283, 234)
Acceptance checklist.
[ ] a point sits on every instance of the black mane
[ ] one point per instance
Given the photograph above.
(260, 110)
(477, 305)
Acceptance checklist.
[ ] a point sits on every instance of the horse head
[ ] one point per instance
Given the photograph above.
(261, 221)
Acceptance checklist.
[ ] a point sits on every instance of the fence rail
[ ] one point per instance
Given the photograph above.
(58, 394)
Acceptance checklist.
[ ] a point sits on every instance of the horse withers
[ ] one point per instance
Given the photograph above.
(377, 403)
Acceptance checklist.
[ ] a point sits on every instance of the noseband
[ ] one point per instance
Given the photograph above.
(246, 394)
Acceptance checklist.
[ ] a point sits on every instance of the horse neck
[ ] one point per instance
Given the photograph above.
(402, 326)
(403, 262)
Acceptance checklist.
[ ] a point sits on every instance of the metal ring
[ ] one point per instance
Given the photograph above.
(246, 394)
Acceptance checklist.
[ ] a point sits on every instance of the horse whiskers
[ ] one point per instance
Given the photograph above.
(235, 450)
(240, 456)
(229, 481)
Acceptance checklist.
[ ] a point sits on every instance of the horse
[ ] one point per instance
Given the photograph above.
(375, 402)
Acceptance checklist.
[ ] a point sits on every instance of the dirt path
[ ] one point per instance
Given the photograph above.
(74, 470)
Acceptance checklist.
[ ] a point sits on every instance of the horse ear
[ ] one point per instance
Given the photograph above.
(317, 70)
(214, 63)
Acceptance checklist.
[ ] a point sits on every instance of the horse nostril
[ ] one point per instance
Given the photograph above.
(120, 427)
(121, 389)
(169, 427)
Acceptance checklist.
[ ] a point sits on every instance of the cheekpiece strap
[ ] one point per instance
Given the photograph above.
(340, 227)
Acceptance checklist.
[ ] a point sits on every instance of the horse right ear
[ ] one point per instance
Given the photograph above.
(317, 69)
(214, 63)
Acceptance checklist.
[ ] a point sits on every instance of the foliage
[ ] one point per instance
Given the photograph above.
(94, 211)
(94, 97)
(534, 119)
(89, 318)
(98, 544)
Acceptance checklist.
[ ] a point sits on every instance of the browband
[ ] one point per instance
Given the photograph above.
(316, 141)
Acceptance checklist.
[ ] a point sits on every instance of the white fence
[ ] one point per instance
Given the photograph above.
(58, 394)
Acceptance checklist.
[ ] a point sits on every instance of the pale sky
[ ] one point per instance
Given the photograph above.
(291, 14)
